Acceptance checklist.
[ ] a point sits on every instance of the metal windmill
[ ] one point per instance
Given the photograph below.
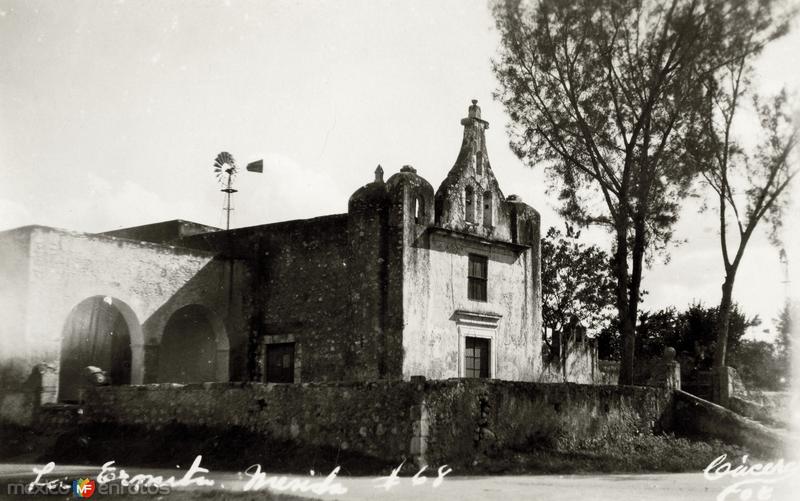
(225, 170)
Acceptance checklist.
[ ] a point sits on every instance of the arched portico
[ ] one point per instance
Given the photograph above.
(104, 332)
(194, 347)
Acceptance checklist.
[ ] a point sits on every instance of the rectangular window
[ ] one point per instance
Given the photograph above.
(280, 363)
(476, 277)
(476, 357)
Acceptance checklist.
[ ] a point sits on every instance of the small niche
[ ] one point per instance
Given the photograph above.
(469, 204)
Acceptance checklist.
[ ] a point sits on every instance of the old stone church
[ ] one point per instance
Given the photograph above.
(410, 281)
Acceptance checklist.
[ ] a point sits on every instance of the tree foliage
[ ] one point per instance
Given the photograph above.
(576, 283)
(691, 332)
(603, 94)
(749, 183)
(757, 363)
(762, 365)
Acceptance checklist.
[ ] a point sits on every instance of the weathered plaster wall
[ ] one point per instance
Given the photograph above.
(434, 326)
(14, 270)
(577, 363)
(438, 314)
(147, 282)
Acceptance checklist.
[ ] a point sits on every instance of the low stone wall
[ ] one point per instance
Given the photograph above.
(471, 415)
(571, 362)
(371, 418)
(693, 416)
(769, 407)
(431, 422)
(698, 383)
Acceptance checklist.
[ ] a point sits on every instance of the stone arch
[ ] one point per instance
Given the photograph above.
(194, 347)
(104, 332)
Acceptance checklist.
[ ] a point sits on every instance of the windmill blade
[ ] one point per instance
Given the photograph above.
(225, 168)
(224, 159)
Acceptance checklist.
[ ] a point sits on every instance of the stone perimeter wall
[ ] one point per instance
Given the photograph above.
(433, 422)
(469, 415)
(351, 416)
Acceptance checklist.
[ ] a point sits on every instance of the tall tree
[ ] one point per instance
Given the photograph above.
(749, 184)
(603, 93)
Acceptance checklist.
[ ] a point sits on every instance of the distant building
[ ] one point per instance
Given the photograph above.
(407, 282)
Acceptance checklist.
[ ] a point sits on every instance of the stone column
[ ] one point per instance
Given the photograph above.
(667, 372)
(43, 385)
(673, 375)
(671, 370)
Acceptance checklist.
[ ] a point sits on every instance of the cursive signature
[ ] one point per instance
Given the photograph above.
(757, 480)
(256, 479)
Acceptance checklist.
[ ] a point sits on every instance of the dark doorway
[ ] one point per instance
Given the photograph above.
(95, 334)
(188, 351)
(476, 357)
(280, 363)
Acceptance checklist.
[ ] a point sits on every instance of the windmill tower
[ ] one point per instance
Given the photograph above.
(225, 170)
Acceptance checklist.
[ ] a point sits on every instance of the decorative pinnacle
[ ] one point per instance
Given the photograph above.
(379, 174)
(475, 110)
(474, 116)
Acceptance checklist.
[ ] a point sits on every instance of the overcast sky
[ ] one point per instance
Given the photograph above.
(111, 114)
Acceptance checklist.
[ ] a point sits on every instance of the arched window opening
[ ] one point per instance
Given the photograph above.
(469, 204)
(487, 209)
(479, 163)
(419, 210)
